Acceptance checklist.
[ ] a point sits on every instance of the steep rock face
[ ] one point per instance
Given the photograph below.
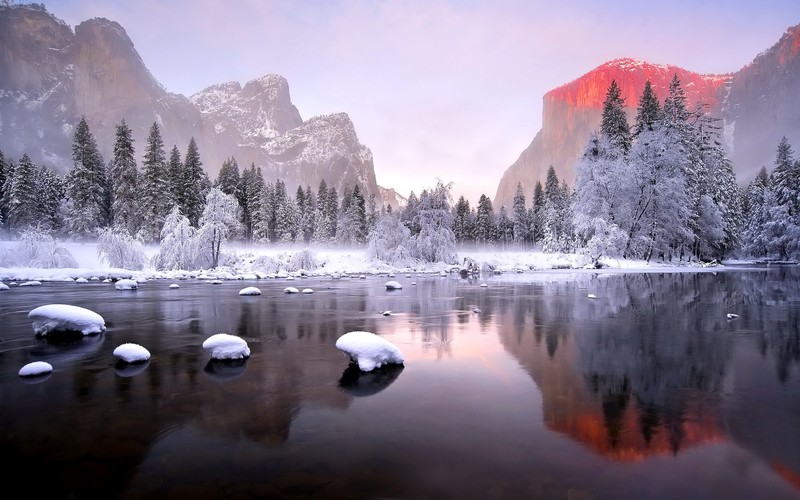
(50, 77)
(763, 106)
(571, 112)
(324, 147)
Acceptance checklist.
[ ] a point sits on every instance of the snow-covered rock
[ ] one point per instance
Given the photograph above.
(393, 285)
(126, 284)
(65, 318)
(308, 290)
(131, 353)
(592, 296)
(35, 368)
(3, 286)
(291, 289)
(484, 285)
(368, 350)
(250, 290)
(732, 316)
(226, 346)
(174, 286)
(31, 283)
(81, 280)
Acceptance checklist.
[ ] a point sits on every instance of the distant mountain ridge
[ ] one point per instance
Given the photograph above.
(51, 76)
(758, 106)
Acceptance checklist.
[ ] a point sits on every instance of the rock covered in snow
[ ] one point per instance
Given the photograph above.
(308, 290)
(393, 285)
(250, 290)
(592, 296)
(66, 318)
(368, 350)
(31, 283)
(35, 369)
(3, 286)
(226, 346)
(131, 353)
(291, 289)
(732, 316)
(174, 286)
(126, 284)
(81, 280)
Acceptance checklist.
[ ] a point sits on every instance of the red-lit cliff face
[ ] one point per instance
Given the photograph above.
(571, 112)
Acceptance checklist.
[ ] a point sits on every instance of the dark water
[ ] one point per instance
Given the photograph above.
(647, 391)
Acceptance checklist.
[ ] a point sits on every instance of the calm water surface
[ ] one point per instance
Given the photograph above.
(647, 391)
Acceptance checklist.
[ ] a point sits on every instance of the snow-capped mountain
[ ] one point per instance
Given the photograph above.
(758, 106)
(51, 76)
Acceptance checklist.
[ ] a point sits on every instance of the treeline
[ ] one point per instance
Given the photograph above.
(662, 188)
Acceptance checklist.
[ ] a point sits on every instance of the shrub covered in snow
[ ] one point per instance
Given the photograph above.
(178, 247)
(36, 248)
(304, 259)
(390, 240)
(120, 249)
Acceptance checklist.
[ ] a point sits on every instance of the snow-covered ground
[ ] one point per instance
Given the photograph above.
(261, 261)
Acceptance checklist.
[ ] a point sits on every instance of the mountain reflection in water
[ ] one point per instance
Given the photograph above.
(646, 390)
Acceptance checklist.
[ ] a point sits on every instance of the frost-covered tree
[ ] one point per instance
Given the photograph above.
(307, 216)
(86, 185)
(435, 241)
(390, 241)
(409, 215)
(287, 220)
(179, 246)
(5, 200)
(520, 219)
(352, 226)
(37, 248)
(21, 195)
(255, 227)
(536, 214)
(557, 221)
(786, 178)
(124, 180)
(119, 249)
(155, 200)
(220, 219)
(322, 220)
(3, 173)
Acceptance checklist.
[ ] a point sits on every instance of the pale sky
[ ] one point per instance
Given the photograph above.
(443, 89)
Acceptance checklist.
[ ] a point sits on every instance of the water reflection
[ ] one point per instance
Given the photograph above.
(360, 384)
(650, 368)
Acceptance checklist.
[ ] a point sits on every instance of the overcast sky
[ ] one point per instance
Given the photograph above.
(436, 88)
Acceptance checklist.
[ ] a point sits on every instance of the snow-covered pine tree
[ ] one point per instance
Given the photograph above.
(504, 228)
(21, 201)
(174, 171)
(484, 221)
(390, 241)
(557, 217)
(86, 185)
(435, 241)
(229, 178)
(124, 180)
(5, 200)
(193, 180)
(307, 220)
(614, 122)
(253, 186)
(536, 214)
(648, 112)
(520, 218)
(155, 196)
(785, 178)
(409, 215)
(461, 221)
(333, 212)
(219, 220)
(322, 232)
(49, 195)
(2, 187)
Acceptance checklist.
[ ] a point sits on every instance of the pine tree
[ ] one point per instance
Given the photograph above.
(537, 213)
(322, 230)
(675, 112)
(194, 184)
(49, 193)
(307, 223)
(155, 196)
(5, 201)
(435, 241)
(461, 221)
(124, 180)
(521, 222)
(648, 112)
(253, 185)
(409, 214)
(21, 202)
(484, 221)
(333, 212)
(228, 178)
(86, 185)
(785, 178)
(615, 123)
(3, 173)
(174, 172)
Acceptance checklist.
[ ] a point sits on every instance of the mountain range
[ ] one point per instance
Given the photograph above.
(52, 75)
(757, 106)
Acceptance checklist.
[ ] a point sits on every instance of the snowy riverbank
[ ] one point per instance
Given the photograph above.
(252, 262)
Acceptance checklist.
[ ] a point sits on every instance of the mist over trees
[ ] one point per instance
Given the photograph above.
(661, 188)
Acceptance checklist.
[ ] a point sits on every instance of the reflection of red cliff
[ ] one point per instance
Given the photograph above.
(572, 111)
(569, 407)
